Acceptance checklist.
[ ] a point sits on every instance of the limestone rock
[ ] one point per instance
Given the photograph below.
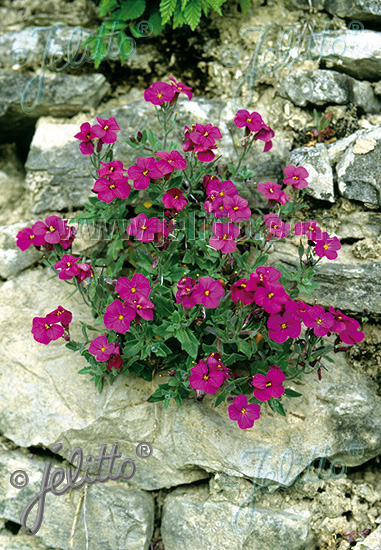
(188, 441)
(358, 171)
(363, 10)
(357, 53)
(12, 259)
(117, 516)
(27, 97)
(319, 87)
(315, 160)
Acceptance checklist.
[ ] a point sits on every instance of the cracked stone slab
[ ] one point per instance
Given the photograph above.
(117, 516)
(316, 161)
(359, 169)
(59, 406)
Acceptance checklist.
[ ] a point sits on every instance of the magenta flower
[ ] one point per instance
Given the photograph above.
(118, 316)
(253, 121)
(351, 336)
(310, 229)
(285, 325)
(204, 155)
(317, 318)
(208, 178)
(269, 386)
(266, 274)
(188, 144)
(225, 233)
(174, 198)
(218, 208)
(112, 170)
(205, 135)
(221, 189)
(55, 229)
(238, 290)
(85, 271)
(68, 238)
(159, 92)
(108, 190)
(59, 315)
(341, 321)
(276, 227)
(68, 267)
(101, 349)
(265, 134)
(327, 246)
(206, 379)
(185, 287)
(115, 361)
(44, 332)
(208, 292)
(143, 307)
(130, 289)
(271, 297)
(144, 171)
(170, 161)
(214, 362)
(243, 412)
(270, 190)
(181, 88)
(296, 176)
(142, 228)
(302, 308)
(106, 129)
(28, 236)
(86, 136)
(237, 208)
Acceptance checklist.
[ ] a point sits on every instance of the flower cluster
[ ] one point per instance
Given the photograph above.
(255, 126)
(52, 326)
(69, 267)
(324, 244)
(135, 305)
(205, 291)
(103, 132)
(111, 182)
(160, 92)
(104, 351)
(201, 140)
(209, 374)
(53, 231)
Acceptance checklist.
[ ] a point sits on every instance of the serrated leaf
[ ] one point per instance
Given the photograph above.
(192, 13)
(167, 7)
(157, 26)
(216, 5)
(106, 6)
(178, 17)
(130, 10)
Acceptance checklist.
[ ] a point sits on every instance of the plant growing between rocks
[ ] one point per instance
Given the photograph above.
(184, 284)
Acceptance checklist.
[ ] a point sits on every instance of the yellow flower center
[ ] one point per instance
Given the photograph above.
(295, 177)
(103, 348)
(261, 277)
(52, 228)
(283, 326)
(243, 410)
(120, 317)
(235, 208)
(145, 172)
(222, 193)
(207, 292)
(32, 237)
(176, 197)
(112, 168)
(159, 95)
(133, 289)
(311, 228)
(206, 377)
(206, 134)
(144, 227)
(138, 306)
(249, 119)
(225, 237)
(268, 385)
(68, 264)
(105, 127)
(326, 246)
(112, 186)
(270, 295)
(319, 321)
(47, 326)
(271, 190)
(243, 285)
(275, 226)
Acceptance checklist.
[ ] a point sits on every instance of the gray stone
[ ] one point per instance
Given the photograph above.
(27, 97)
(9, 541)
(359, 170)
(117, 516)
(363, 10)
(195, 518)
(357, 53)
(12, 259)
(315, 160)
(187, 441)
(372, 541)
(318, 87)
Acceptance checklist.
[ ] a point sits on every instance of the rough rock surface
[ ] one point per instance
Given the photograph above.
(359, 170)
(318, 87)
(117, 516)
(316, 161)
(188, 441)
(357, 53)
(12, 259)
(27, 97)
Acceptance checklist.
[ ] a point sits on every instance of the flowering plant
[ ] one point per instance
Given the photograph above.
(184, 284)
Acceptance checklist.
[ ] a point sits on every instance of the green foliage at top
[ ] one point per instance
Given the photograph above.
(145, 18)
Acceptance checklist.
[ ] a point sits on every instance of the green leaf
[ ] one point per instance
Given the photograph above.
(106, 6)
(221, 398)
(132, 348)
(192, 13)
(130, 10)
(157, 26)
(126, 46)
(216, 5)
(167, 7)
(245, 5)
(74, 346)
(291, 393)
(156, 396)
(277, 406)
(189, 342)
(245, 347)
(164, 306)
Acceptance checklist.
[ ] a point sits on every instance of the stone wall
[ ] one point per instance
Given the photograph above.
(290, 482)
